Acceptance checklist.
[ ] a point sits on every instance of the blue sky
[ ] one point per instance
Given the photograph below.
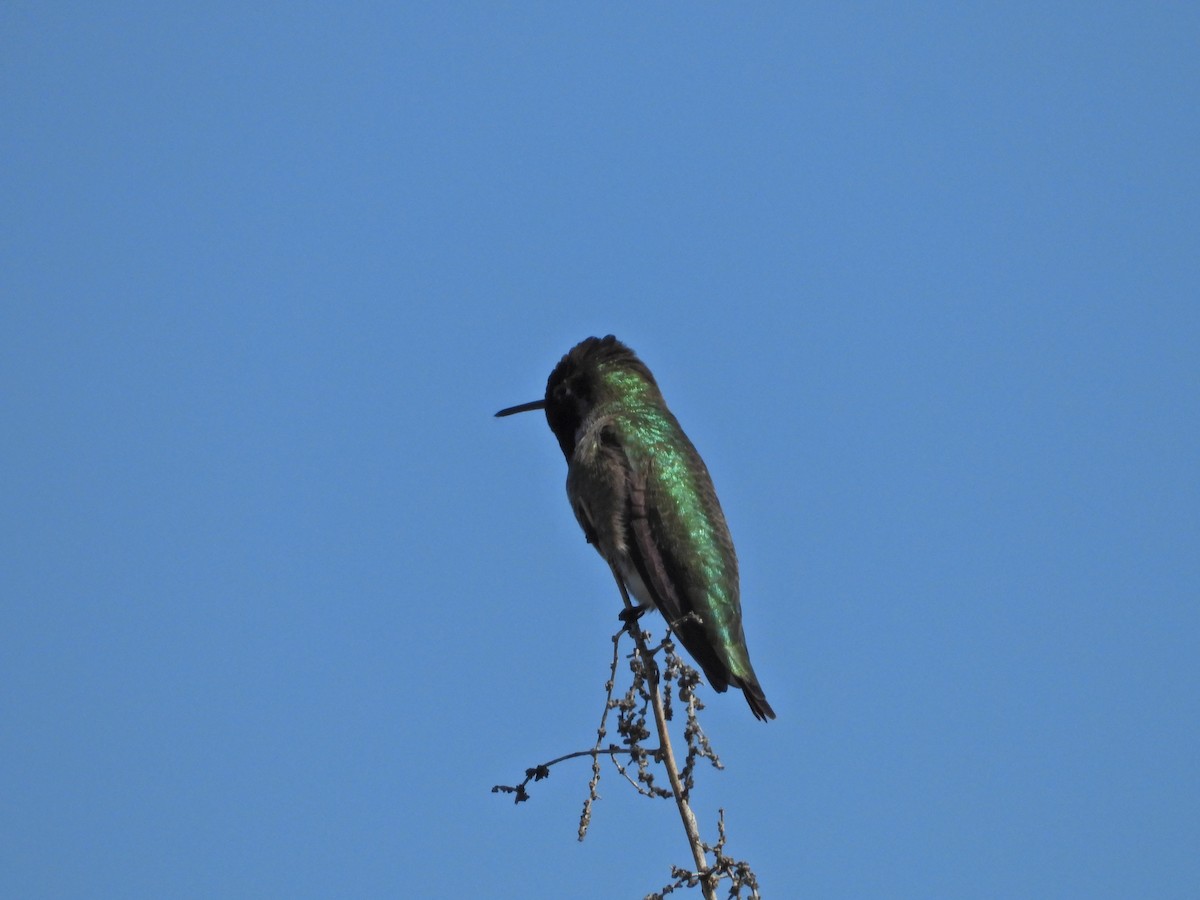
(280, 600)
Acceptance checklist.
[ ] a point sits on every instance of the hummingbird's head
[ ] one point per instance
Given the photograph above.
(595, 371)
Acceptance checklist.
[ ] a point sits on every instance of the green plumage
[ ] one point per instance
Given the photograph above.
(644, 498)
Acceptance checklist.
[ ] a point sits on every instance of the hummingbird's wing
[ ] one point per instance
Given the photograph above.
(662, 575)
(646, 554)
(660, 572)
(620, 504)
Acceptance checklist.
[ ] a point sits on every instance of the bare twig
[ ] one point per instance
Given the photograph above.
(650, 693)
(665, 752)
(738, 872)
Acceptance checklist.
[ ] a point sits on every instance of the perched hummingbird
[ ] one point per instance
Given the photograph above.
(645, 501)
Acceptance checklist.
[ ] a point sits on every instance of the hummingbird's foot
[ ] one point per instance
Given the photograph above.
(631, 614)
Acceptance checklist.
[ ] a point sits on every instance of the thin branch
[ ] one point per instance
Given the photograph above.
(737, 871)
(542, 771)
(666, 753)
(651, 691)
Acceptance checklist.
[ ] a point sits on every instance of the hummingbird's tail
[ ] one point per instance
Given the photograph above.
(756, 698)
(717, 667)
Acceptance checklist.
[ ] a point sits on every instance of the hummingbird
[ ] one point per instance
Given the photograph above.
(646, 502)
